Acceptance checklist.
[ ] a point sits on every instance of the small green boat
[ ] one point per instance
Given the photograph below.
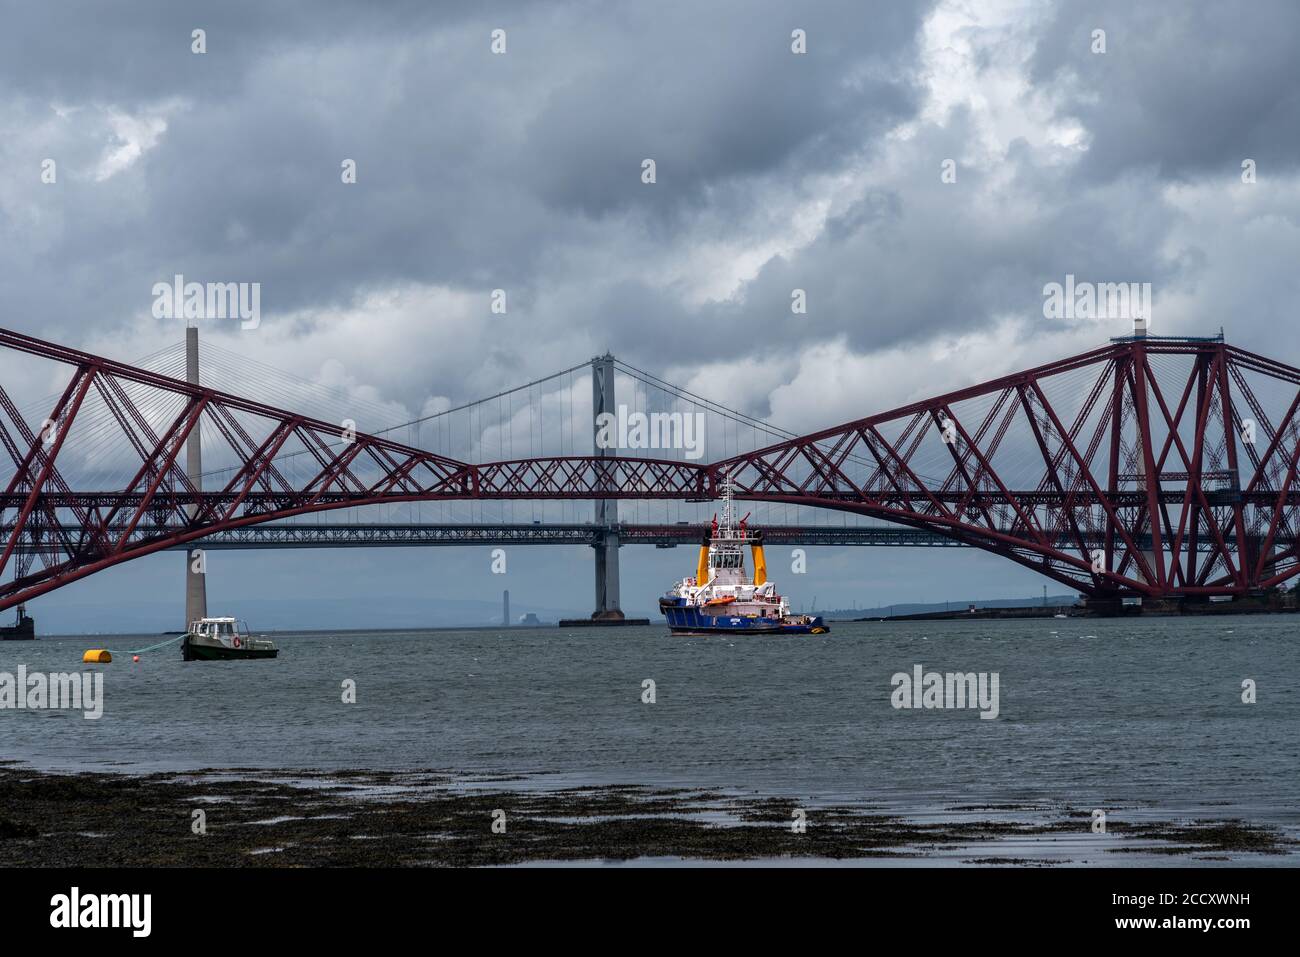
(224, 639)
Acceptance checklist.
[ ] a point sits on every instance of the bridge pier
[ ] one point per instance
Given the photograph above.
(607, 608)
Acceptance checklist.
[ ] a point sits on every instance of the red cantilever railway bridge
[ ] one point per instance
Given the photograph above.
(1150, 466)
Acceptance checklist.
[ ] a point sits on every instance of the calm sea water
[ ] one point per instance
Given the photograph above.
(1092, 712)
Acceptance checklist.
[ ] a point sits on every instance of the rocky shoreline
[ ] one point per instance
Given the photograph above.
(247, 817)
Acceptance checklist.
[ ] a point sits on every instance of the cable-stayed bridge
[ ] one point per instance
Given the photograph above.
(1148, 466)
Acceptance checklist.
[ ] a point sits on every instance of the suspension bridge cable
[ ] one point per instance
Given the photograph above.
(473, 407)
(653, 380)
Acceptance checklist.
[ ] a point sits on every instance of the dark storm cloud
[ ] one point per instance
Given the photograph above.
(523, 171)
(141, 49)
(714, 94)
(1186, 88)
(474, 171)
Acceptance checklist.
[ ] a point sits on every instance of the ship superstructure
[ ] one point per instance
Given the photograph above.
(224, 639)
(722, 597)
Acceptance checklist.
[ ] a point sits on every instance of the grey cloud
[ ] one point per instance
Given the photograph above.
(1184, 88)
(130, 52)
(522, 172)
(474, 171)
(713, 93)
(925, 258)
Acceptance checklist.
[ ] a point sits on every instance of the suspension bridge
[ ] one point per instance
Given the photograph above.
(1150, 466)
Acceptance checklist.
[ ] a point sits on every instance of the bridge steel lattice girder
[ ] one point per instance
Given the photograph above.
(1112, 497)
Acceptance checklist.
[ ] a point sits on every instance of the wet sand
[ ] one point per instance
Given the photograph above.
(399, 819)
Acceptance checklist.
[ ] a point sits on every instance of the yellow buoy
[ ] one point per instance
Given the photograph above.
(97, 656)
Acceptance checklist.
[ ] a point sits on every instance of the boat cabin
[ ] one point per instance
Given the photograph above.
(228, 631)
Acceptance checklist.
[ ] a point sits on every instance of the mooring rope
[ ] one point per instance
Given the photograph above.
(161, 644)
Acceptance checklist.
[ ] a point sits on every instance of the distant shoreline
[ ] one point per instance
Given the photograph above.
(1167, 610)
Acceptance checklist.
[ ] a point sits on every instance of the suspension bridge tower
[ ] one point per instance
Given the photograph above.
(603, 401)
(196, 585)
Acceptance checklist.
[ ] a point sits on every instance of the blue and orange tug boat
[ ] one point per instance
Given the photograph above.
(722, 598)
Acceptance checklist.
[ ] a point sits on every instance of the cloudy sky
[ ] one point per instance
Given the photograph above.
(523, 171)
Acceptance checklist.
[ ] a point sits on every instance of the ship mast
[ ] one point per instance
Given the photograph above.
(728, 516)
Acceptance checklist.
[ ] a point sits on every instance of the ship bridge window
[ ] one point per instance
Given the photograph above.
(728, 561)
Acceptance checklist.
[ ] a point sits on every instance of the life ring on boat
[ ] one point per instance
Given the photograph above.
(236, 641)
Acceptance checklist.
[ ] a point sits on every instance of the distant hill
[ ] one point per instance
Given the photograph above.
(919, 608)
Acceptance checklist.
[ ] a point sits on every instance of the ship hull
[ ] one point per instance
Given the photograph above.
(25, 630)
(192, 650)
(693, 620)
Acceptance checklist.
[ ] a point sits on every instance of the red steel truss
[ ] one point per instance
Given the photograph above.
(1122, 481)
(1157, 467)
